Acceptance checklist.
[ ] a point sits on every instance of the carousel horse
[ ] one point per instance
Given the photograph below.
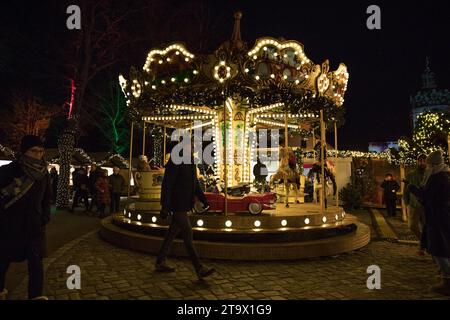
(287, 173)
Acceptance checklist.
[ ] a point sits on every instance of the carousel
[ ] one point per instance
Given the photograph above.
(245, 104)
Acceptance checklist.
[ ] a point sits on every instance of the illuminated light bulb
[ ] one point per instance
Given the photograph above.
(336, 217)
(257, 77)
(163, 81)
(255, 57)
(272, 76)
(186, 80)
(168, 59)
(154, 219)
(195, 71)
(186, 59)
(200, 223)
(177, 53)
(324, 219)
(257, 223)
(284, 223)
(173, 79)
(307, 221)
(160, 61)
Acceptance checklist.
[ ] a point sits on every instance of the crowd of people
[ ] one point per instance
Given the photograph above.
(103, 190)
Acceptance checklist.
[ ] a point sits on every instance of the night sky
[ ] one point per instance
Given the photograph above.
(385, 65)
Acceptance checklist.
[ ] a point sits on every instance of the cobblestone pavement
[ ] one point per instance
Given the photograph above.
(108, 272)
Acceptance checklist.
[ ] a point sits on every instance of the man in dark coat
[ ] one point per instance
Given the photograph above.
(94, 174)
(24, 213)
(260, 172)
(81, 190)
(435, 197)
(118, 185)
(54, 183)
(179, 189)
(390, 187)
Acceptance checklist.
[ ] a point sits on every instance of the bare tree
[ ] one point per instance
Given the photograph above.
(26, 115)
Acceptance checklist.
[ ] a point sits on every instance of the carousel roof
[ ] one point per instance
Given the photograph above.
(272, 71)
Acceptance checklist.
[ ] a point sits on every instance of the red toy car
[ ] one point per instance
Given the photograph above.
(254, 203)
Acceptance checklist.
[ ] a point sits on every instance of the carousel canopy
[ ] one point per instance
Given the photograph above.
(273, 72)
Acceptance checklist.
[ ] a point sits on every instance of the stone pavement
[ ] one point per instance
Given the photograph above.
(108, 272)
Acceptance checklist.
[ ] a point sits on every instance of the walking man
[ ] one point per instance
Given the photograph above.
(179, 189)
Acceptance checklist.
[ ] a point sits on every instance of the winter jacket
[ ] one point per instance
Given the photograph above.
(117, 183)
(414, 177)
(390, 189)
(435, 197)
(22, 226)
(102, 186)
(93, 177)
(180, 187)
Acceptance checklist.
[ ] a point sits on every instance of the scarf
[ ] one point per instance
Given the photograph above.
(34, 170)
(431, 170)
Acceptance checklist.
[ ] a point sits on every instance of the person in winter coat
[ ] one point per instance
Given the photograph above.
(82, 190)
(54, 183)
(25, 196)
(103, 195)
(416, 214)
(435, 197)
(390, 187)
(179, 189)
(118, 184)
(94, 174)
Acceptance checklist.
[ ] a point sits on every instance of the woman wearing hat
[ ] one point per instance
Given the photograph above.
(25, 196)
(435, 197)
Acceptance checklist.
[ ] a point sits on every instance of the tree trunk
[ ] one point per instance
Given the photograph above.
(66, 144)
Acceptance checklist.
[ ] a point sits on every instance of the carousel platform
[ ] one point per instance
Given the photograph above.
(297, 232)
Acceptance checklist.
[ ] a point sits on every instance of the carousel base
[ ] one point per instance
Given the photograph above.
(298, 232)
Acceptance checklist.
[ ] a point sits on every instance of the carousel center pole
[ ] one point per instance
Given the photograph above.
(322, 162)
(225, 174)
(129, 165)
(286, 143)
(164, 146)
(143, 139)
(314, 154)
(336, 162)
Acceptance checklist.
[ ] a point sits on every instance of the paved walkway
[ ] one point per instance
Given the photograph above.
(108, 272)
(63, 228)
